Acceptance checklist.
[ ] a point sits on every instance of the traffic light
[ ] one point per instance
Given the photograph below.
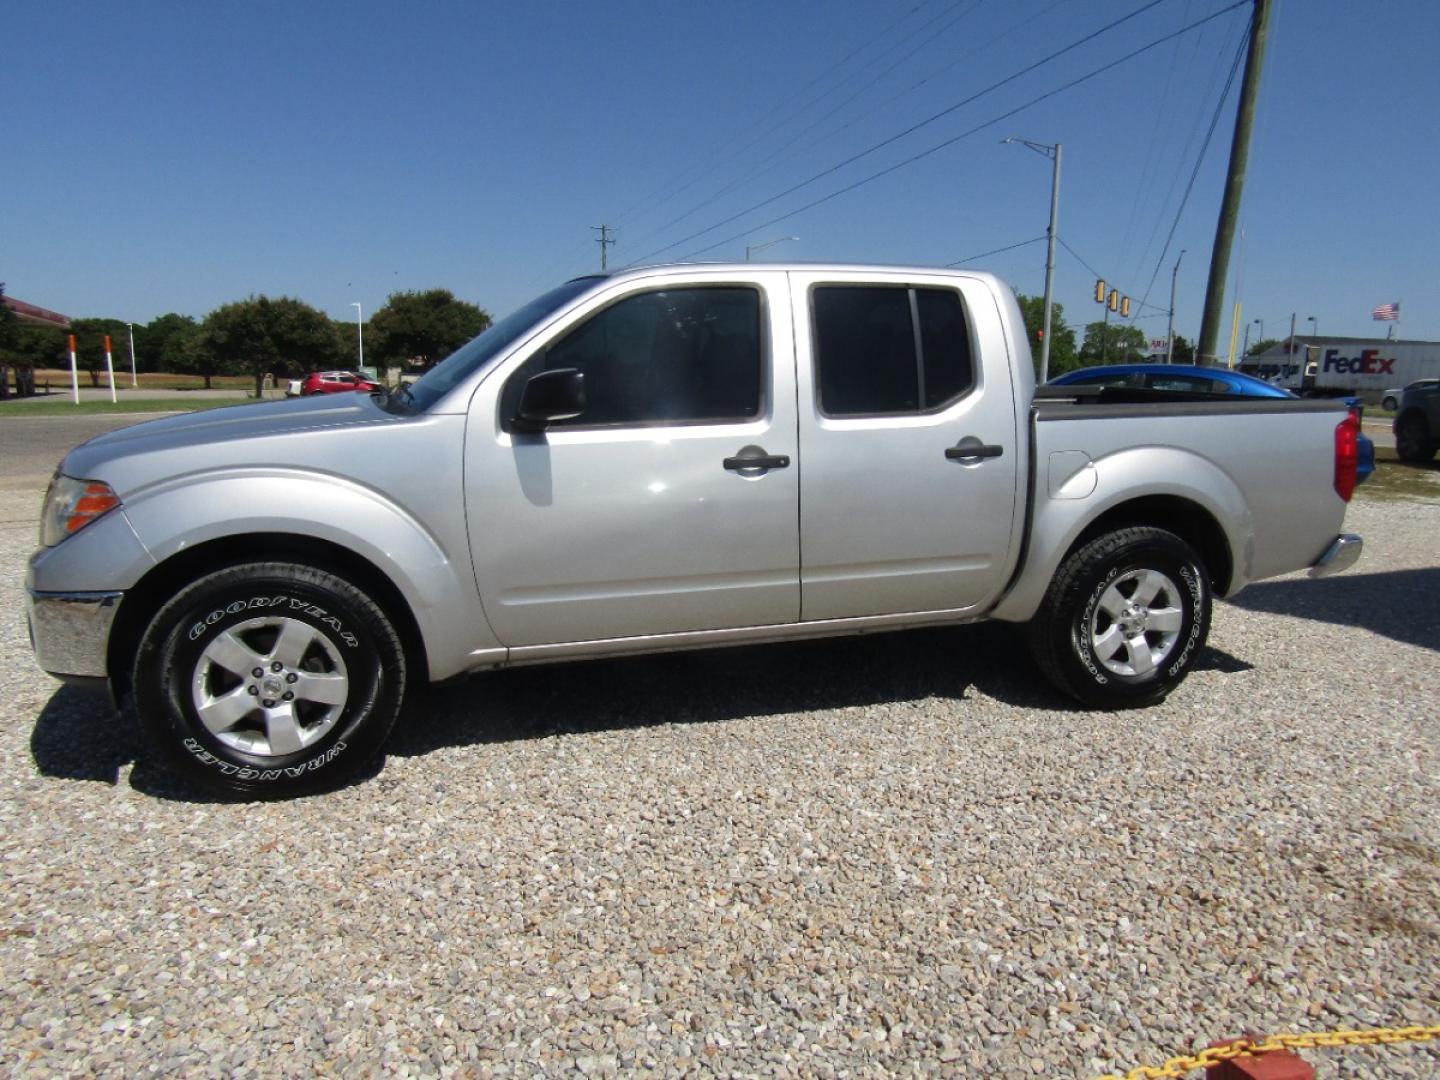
(1114, 303)
(1100, 291)
(1125, 307)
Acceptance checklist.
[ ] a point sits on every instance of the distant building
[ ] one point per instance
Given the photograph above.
(32, 315)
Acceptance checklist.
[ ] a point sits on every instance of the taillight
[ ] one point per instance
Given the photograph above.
(1347, 455)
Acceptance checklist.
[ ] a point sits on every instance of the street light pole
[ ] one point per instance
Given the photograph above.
(768, 243)
(360, 330)
(1314, 327)
(1170, 330)
(1053, 152)
(134, 380)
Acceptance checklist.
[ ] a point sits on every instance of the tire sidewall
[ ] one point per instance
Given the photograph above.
(1173, 558)
(166, 662)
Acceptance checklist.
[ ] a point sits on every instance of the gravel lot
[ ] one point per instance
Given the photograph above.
(891, 855)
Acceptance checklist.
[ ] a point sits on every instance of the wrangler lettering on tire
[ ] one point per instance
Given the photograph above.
(269, 679)
(1123, 619)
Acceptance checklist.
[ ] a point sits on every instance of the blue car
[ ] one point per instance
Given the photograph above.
(1199, 380)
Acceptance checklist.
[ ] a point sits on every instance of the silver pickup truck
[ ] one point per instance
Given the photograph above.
(668, 458)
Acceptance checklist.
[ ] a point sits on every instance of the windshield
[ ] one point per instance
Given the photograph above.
(477, 352)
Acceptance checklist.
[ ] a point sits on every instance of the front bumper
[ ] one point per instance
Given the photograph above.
(1342, 554)
(70, 631)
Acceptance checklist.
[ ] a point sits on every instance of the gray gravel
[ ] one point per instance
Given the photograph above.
(894, 855)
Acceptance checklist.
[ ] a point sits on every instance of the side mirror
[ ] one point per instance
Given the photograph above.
(549, 396)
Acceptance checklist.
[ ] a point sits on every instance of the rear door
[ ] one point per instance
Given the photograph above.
(908, 435)
(642, 516)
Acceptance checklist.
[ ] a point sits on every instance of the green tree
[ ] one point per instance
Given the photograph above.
(262, 336)
(1183, 352)
(1113, 343)
(1258, 347)
(152, 341)
(423, 327)
(1062, 338)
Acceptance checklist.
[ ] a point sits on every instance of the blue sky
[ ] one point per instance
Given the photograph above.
(160, 157)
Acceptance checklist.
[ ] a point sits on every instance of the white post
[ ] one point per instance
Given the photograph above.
(134, 380)
(110, 369)
(360, 331)
(74, 373)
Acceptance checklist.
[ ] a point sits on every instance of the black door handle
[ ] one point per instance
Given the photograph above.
(973, 452)
(757, 461)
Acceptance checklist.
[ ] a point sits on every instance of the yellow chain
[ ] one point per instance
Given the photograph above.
(1179, 1066)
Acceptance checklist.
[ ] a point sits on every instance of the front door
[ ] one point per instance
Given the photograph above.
(650, 512)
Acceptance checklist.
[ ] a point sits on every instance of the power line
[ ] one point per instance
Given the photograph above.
(766, 164)
(952, 141)
(703, 164)
(917, 126)
(997, 251)
(1199, 160)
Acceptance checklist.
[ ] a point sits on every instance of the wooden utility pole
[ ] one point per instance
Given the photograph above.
(604, 240)
(1234, 186)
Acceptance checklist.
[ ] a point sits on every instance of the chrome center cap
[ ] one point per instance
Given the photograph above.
(1134, 619)
(273, 686)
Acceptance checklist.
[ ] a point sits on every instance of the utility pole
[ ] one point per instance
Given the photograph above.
(1234, 185)
(604, 240)
(1052, 152)
(1170, 331)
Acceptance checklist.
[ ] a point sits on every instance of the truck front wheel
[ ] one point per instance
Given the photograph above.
(1123, 619)
(268, 679)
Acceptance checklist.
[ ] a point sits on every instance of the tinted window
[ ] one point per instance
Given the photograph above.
(1190, 383)
(889, 349)
(671, 357)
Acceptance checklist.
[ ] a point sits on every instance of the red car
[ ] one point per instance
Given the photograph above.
(336, 382)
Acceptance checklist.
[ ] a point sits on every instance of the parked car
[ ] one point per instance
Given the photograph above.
(1391, 400)
(667, 458)
(336, 382)
(1417, 423)
(1189, 378)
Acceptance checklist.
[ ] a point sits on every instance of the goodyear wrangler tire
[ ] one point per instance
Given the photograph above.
(268, 680)
(1124, 619)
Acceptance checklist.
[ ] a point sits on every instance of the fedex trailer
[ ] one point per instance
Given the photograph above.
(1326, 367)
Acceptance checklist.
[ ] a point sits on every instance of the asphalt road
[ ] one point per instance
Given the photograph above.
(31, 446)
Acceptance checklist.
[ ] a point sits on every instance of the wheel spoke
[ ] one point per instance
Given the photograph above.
(232, 654)
(329, 689)
(282, 730)
(222, 713)
(1140, 658)
(1147, 586)
(1113, 602)
(1166, 620)
(290, 647)
(1108, 643)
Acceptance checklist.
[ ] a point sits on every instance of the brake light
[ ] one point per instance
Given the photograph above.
(1347, 456)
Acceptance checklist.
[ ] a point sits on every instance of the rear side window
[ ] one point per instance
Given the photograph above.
(676, 356)
(890, 349)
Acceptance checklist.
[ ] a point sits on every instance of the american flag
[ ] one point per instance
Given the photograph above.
(1386, 313)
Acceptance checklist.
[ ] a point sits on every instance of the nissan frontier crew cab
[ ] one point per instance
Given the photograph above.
(666, 458)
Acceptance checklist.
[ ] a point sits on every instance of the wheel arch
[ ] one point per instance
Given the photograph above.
(1188, 518)
(164, 579)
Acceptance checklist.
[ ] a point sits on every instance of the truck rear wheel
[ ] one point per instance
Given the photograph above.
(1413, 444)
(1123, 619)
(268, 680)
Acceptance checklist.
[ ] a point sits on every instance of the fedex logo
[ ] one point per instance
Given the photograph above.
(1368, 362)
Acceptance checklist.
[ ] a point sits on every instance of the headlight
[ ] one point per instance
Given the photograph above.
(72, 504)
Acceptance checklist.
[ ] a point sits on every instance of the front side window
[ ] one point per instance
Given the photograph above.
(885, 350)
(672, 356)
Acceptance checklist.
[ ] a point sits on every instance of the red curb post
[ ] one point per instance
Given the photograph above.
(1271, 1065)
